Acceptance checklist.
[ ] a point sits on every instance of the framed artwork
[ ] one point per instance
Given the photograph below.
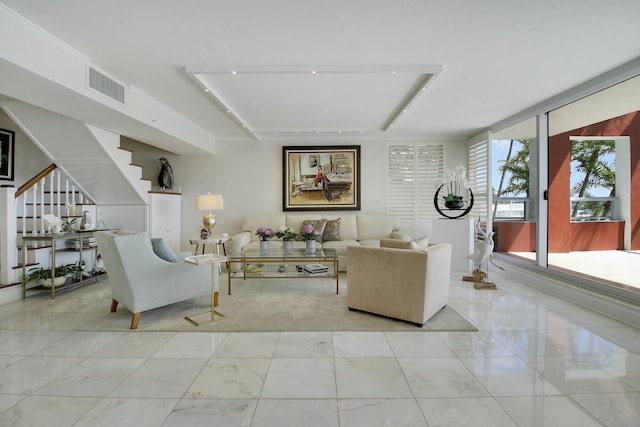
(7, 146)
(321, 178)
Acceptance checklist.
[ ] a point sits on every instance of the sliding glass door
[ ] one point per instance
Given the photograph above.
(594, 187)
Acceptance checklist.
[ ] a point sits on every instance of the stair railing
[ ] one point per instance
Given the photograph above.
(62, 196)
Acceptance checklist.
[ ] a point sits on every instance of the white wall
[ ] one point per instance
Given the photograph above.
(28, 158)
(249, 177)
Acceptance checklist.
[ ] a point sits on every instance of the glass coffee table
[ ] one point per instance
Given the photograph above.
(276, 264)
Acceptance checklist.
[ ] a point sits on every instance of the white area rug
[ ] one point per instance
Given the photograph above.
(275, 305)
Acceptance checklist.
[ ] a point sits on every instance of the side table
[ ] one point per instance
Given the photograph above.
(219, 240)
(212, 315)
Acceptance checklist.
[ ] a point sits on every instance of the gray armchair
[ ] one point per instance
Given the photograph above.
(140, 280)
(405, 284)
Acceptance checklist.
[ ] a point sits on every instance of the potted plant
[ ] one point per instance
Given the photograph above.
(453, 201)
(42, 275)
(287, 234)
(455, 182)
(265, 234)
(309, 235)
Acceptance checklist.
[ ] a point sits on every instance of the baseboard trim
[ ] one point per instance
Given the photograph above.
(624, 310)
(10, 294)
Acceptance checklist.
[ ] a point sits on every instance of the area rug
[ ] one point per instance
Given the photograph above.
(276, 305)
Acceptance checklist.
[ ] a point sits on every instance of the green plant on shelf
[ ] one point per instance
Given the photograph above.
(40, 273)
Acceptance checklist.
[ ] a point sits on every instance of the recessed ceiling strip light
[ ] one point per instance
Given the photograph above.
(225, 107)
(420, 88)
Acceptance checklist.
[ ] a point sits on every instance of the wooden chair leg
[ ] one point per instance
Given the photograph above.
(134, 320)
(114, 306)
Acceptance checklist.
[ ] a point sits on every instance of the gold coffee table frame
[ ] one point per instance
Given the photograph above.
(278, 256)
(212, 315)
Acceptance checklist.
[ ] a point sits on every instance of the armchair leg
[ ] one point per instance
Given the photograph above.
(114, 306)
(134, 320)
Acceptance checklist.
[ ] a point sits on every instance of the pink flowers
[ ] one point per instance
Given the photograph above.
(265, 233)
(309, 233)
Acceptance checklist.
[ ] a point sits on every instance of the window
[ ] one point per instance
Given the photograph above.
(479, 178)
(414, 173)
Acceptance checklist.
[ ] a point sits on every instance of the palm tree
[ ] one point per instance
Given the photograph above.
(589, 156)
(518, 169)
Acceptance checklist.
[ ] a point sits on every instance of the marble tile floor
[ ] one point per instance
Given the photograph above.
(536, 361)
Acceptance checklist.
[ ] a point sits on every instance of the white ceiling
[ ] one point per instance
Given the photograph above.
(490, 59)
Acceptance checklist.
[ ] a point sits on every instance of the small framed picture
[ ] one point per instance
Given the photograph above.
(7, 146)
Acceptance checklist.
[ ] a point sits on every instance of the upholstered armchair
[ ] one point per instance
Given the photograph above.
(141, 280)
(406, 284)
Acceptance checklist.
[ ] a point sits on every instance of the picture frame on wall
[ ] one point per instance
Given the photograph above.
(7, 147)
(319, 178)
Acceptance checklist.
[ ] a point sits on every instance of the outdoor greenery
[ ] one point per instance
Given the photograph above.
(590, 157)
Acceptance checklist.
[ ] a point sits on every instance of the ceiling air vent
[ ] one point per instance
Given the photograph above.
(105, 85)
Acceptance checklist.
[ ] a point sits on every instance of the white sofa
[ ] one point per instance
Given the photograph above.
(355, 230)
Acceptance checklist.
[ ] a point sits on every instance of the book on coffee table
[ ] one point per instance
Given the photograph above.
(315, 268)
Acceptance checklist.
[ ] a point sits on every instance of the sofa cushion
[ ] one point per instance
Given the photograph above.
(376, 226)
(348, 226)
(395, 243)
(340, 245)
(370, 242)
(331, 230)
(163, 250)
(318, 225)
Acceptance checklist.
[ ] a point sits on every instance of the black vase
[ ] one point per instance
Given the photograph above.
(453, 204)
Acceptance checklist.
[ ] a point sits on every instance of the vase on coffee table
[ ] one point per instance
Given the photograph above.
(310, 247)
(264, 246)
(287, 246)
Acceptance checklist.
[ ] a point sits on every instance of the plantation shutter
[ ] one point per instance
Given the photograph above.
(479, 179)
(414, 173)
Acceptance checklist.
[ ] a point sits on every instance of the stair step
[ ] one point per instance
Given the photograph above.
(19, 266)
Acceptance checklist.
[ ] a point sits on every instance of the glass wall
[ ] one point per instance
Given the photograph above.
(513, 182)
(594, 212)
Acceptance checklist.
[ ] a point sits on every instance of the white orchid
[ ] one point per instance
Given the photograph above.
(455, 181)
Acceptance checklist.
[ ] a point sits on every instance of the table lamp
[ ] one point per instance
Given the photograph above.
(209, 202)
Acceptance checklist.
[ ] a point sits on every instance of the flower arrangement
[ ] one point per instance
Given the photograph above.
(265, 233)
(286, 233)
(309, 233)
(454, 183)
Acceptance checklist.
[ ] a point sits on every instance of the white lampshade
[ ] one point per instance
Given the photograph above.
(209, 202)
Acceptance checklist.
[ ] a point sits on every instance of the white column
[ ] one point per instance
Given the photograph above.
(8, 236)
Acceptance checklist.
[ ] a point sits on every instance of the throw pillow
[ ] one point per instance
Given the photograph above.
(163, 250)
(395, 244)
(421, 243)
(331, 230)
(318, 225)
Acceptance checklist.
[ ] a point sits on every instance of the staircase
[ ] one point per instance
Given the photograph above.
(50, 192)
(89, 171)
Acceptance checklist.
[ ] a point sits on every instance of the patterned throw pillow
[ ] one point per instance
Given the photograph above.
(318, 225)
(331, 230)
